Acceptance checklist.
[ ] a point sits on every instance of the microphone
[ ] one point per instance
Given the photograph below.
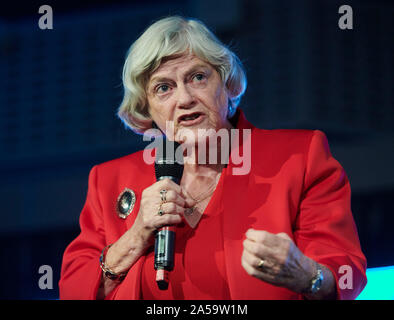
(166, 167)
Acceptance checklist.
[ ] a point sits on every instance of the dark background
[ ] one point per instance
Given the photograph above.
(60, 90)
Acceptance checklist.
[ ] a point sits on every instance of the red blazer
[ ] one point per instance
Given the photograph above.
(294, 186)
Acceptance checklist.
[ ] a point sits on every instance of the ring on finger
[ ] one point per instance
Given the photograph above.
(163, 194)
(161, 211)
(261, 264)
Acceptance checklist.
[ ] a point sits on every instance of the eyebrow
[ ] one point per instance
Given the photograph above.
(159, 78)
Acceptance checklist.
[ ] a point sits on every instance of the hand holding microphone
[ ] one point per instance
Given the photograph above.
(122, 255)
(166, 168)
(162, 206)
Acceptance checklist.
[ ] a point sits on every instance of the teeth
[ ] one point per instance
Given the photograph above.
(190, 117)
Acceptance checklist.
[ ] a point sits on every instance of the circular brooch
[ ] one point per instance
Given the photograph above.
(125, 203)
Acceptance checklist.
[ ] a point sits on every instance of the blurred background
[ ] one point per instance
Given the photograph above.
(60, 90)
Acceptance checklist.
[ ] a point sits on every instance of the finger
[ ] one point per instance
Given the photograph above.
(189, 202)
(173, 196)
(283, 235)
(253, 261)
(168, 184)
(167, 219)
(269, 267)
(266, 274)
(259, 250)
(250, 269)
(262, 236)
(172, 208)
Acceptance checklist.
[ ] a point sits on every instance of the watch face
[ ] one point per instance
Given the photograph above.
(317, 282)
(316, 285)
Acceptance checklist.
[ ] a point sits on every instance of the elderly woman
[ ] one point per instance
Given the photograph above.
(280, 229)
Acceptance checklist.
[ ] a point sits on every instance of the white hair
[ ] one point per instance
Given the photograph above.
(171, 37)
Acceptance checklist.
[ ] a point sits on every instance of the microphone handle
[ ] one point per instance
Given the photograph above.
(164, 248)
(164, 251)
(164, 255)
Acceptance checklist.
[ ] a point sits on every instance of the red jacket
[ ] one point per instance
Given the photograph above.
(294, 186)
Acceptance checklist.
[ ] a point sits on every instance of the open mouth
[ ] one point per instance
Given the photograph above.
(189, 119)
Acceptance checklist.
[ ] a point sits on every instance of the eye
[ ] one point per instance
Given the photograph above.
(198, 77)
(163, 88)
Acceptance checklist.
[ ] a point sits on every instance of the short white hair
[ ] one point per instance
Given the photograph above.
(172, 37)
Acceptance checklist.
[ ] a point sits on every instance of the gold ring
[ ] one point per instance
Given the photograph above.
(261, 264)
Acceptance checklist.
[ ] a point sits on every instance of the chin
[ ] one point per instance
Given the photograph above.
(197, 135)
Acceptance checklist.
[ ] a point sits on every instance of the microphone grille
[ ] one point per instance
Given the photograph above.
(166, 164)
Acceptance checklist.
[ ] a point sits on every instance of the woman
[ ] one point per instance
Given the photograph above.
(280, 229)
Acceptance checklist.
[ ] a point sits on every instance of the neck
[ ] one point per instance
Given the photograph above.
(203, 169)
(199, 181)
(209, 154)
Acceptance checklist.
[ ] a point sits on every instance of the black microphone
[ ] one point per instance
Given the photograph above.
(166, 166)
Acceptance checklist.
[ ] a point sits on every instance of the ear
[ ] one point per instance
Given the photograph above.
(231, 109)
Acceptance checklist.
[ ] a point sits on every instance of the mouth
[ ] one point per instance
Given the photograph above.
(191, 118)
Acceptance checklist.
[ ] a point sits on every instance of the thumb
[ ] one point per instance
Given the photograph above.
(189, 202)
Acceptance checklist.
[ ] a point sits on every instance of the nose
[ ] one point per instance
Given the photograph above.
(185, 98)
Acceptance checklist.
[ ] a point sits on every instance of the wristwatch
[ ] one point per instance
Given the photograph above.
(316, 281)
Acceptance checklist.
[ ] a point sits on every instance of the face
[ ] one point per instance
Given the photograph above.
(188, 93)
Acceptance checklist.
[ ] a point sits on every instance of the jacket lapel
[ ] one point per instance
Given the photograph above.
(235, 216)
